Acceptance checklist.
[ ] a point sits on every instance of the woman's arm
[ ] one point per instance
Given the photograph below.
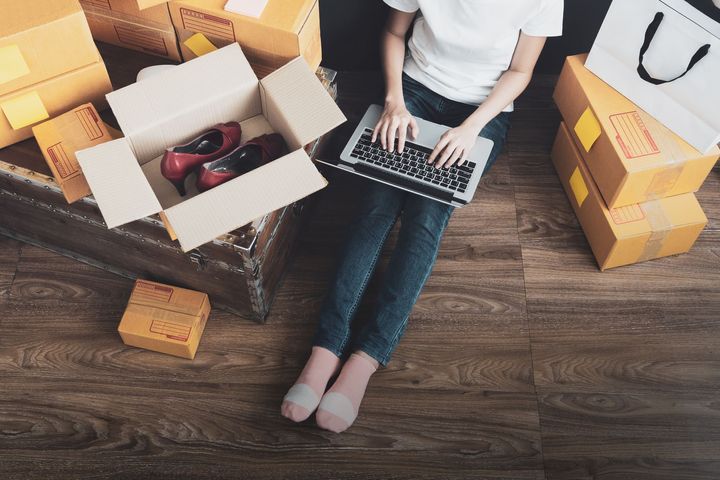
(396, 119)
(457, 143)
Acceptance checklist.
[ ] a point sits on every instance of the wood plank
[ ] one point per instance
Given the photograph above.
(567, 280)
(9, 257)
(46, 277)
(598, 436)
(78, 424)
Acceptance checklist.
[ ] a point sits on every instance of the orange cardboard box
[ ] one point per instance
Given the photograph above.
(629, 234)
(633, 158)
(40, 40)
(285, 30)
(61, 137)
(122, 23)
(22, 109)
(165, 319)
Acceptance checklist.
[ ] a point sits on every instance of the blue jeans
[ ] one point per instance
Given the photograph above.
(423, 222)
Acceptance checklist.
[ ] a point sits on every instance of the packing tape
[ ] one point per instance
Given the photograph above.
(199, 44)
(12, 64)
(588, 129)
(672, 160)
(24, 110)
(660, 225)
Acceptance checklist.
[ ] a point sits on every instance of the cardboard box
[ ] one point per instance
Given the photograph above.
(179, 104)
(61, 137)
(629, 234)
(633, 158)
(285, 30)
(22, 109)
(165, 319)
(40, 40)
(122, 23)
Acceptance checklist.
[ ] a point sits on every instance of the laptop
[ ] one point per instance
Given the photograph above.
(409, 170)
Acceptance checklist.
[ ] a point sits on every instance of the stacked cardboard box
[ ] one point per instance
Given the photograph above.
(630, 180)
(165, 319)
(147, 29)
(285, 29)
(49, 65)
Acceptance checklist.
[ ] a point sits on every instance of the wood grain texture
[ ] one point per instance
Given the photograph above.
(521, 360)
(624, 436)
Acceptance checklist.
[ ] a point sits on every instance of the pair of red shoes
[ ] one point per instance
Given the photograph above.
(218, 157)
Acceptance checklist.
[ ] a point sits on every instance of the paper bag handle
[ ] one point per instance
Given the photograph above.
(649, 36)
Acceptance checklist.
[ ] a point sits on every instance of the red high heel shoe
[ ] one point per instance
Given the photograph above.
(249, 156)
(178, 162)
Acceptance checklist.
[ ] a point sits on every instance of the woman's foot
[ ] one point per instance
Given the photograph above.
(340, 405)
(303, 398)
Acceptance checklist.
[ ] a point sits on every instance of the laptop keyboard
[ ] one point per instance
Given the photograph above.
(412, 163)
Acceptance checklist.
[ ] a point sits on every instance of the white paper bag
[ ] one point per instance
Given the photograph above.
(664, 55)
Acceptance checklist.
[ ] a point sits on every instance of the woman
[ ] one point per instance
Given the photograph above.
(468, 62)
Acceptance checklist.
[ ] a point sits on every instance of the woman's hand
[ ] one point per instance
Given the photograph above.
(454, 146)
(394, 124)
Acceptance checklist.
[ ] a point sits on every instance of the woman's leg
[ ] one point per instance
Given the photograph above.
(379, 209)
(339, 406)
(423, 224)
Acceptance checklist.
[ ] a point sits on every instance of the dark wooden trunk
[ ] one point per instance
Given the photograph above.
(240, 271)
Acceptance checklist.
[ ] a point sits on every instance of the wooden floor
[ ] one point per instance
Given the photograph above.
(521, 360)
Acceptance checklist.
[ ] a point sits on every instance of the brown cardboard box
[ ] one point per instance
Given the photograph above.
(285, 30)
(61, 137)
(165, 319)
(21, 109)
(218, 87)
(633, 158)
(629, 234)
(122, 23)
(40, 40)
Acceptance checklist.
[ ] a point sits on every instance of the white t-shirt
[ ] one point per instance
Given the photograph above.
(460, 48)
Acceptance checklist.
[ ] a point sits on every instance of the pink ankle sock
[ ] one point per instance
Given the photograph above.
(339, 406)
(303, 398)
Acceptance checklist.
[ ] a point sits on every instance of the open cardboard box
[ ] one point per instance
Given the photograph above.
(176, 106)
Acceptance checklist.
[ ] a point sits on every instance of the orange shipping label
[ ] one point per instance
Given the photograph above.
(633, 136)
(629, 214)
(150, 291)
(171, 329)
(64, 167)
(209, 25)
(141, 37)
(90, 123)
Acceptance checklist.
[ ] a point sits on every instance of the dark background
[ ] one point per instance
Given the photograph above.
(351, 31)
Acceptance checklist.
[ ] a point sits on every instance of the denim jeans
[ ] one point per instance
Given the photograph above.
(423, 222)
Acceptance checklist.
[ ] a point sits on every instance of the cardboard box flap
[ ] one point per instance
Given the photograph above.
(169, 298)
(297, 104)
(239, 202)
(118, 183)
(177, 105)
(18, 16)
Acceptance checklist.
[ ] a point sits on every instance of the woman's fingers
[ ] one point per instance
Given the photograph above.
(392, 134)
(446, 154)
(414, 128)
(438, 149)
(402, 135)
(384, 132)
(457, 154)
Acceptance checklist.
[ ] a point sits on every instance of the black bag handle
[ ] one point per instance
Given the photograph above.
(649, 36)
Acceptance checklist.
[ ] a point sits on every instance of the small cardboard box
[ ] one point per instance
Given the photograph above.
(165, 319)
(122, 23)
(633, 158)
(285, 30)
(179, 104)
(629, 234)
(22, 109)
(41, 40)
(61, 137)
